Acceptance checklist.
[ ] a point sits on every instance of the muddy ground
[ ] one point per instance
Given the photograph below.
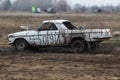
(60, 64)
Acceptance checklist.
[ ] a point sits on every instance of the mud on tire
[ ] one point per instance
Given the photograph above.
(21, 44)
(77, 46)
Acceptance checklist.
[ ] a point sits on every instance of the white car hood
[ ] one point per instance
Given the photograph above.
(23, 33)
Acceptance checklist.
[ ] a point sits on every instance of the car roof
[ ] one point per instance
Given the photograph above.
(55, 21)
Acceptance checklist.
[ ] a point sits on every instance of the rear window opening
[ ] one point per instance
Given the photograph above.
(69, 25)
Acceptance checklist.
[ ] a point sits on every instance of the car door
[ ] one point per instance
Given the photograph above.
(56, 36)
(42, 35)
(48, 34)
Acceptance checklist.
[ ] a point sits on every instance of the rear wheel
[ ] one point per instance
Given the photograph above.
(21, 44)
(77, 46)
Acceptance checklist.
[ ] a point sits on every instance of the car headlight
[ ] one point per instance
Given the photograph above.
(10, 36)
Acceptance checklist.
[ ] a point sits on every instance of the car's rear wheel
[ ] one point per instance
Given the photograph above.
(77, 46)
(21, 44)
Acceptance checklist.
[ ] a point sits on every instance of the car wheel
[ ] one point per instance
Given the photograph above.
(21, 44)
(77, 46)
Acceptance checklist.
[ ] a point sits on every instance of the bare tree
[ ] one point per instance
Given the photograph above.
(118, 8)
(79, 8)
(21, 5)
(58, 5)
(25, 5)
(5, 5)
(62, 5)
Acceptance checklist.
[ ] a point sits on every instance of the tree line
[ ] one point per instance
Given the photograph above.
(58, 5)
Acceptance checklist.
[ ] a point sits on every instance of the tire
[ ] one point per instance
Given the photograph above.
(21, 44)
(77, 46)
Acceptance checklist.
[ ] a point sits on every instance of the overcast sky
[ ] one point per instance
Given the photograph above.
(95, 2)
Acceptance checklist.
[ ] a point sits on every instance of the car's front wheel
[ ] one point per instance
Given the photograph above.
(21, 44)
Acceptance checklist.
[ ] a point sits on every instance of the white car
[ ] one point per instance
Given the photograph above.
(59, 33)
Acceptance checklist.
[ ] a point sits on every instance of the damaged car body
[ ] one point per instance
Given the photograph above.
(59, 33)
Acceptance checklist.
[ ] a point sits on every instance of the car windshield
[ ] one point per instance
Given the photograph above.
(69, 25)
(47, 26)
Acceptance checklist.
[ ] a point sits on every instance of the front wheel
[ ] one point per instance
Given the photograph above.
(77, 46)
(21, 44)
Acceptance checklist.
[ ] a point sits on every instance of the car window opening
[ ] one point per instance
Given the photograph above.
(69, 25)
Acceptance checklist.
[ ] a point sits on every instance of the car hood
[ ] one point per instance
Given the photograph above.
(23, 33)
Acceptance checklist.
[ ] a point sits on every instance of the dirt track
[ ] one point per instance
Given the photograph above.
(60, 65)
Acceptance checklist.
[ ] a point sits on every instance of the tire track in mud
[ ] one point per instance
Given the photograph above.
(45, 64)
(69, 65)
(106, 48)
(7, 51)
